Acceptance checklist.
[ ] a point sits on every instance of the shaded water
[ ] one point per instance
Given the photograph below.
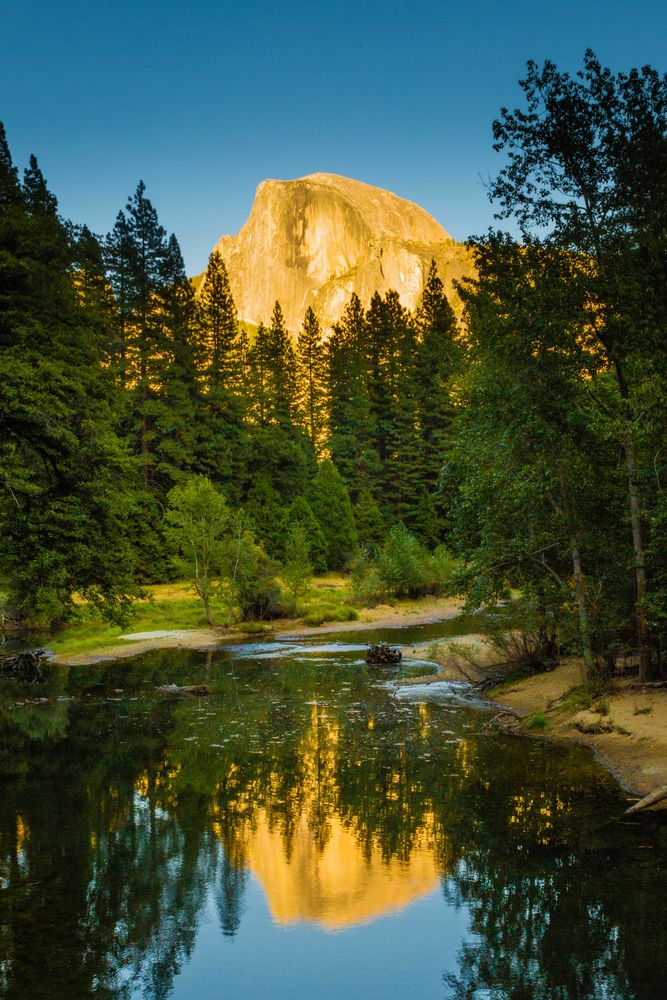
(306, 832)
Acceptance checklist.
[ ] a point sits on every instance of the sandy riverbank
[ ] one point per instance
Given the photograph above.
(627, 728)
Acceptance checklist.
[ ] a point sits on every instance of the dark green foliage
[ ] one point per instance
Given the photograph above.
(439, 357)
(401, 568)
(257, 589)
(221, 329)
(585, 174)
(350, 426)
(66, 484)
(330, 502)
(368, 519)
(264, 508)
(391, 354)
(300, 513)
(223, 440)
(389, 385)
(310, 381)
(297, 567)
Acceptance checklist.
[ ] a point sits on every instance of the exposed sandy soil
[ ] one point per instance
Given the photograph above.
(205, 638)
(627, 729)
(420, 612)
(459, 658)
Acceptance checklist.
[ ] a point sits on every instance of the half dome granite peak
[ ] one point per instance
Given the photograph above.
(315, 240)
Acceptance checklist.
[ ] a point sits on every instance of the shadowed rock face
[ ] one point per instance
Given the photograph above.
(315, 240)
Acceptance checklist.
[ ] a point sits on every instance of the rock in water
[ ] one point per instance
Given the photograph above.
(315, 240)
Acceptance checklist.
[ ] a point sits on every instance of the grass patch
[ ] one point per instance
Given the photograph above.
(537, 723)
(327, 613)
(169, 606)
(508, 682)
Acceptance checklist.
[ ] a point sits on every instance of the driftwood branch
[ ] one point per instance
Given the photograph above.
(649, 800)
(189, 690)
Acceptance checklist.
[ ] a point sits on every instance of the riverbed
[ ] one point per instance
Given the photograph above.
(310, 829)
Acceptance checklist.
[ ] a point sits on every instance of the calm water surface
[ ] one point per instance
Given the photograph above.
(307, 831)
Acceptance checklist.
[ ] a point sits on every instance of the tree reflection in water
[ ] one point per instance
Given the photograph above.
(123, 814)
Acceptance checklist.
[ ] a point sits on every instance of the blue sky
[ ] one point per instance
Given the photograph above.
(204, 100)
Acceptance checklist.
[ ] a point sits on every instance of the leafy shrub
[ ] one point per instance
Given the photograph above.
(402, 568)
(257, 590)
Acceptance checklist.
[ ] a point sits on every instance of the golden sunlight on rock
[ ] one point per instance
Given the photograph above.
(316, 240)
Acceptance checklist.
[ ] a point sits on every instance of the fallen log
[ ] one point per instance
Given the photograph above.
(649, 800)
(383, 654)
(23, 666)
(188, 690)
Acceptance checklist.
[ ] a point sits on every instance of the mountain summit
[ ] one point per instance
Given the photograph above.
(315, 240)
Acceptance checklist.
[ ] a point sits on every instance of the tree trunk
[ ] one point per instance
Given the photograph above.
(641, 585)
(580, 589)
(207, 608)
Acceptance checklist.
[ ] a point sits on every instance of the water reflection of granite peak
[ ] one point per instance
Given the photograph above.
(324, 871)
(339, 885)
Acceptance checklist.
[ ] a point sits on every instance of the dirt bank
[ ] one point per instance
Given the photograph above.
(424, 611)
(626, 728)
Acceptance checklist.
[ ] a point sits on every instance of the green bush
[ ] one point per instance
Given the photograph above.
(402, 568)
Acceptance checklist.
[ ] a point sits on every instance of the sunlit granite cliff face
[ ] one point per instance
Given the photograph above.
(315, 240)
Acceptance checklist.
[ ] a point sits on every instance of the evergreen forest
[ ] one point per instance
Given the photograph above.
(510, 447)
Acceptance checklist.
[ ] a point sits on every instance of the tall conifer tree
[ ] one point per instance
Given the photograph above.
(350, 419)
(310, 379)
(438, 358)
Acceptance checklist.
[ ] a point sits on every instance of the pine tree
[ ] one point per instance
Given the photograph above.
(301, 513)
(259, 389)
(438, 359)
(330, 503)
(310, 379)
(391, 358)
(282, 371)
(176, 404)
(221, 326)
(264, 507)
(348, 402)
(10, 189)
(145, 341)
(370, 525)
(120, 268)
(223, 442)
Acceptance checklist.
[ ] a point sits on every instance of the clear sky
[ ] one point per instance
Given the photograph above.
(203, 100)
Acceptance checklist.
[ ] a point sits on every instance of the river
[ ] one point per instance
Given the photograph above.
(309, 830)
